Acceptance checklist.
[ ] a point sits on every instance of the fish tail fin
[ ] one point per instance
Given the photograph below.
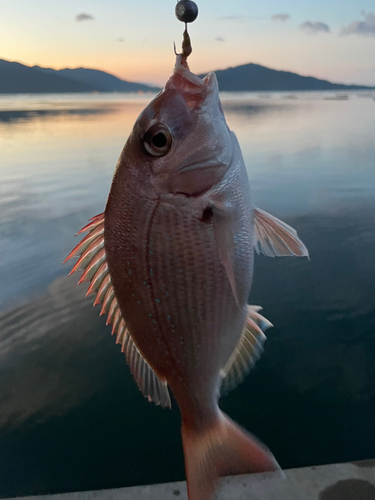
(222, 449)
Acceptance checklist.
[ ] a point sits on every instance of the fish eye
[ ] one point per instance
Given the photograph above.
(157, 141)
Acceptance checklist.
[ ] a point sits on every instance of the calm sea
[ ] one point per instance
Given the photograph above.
(71, 416)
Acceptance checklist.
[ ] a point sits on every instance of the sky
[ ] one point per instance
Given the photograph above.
(333, 39)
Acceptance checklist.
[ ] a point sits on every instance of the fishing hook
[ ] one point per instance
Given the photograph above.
(186, 11)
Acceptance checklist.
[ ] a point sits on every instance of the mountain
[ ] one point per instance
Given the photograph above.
(16, 78)
(254, 77)
(101, 80)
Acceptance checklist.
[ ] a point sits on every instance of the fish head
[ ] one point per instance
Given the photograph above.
(181, 139)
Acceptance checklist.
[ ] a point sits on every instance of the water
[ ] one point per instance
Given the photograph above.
(71, 417)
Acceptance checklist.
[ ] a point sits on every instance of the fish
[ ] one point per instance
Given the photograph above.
(171, 262)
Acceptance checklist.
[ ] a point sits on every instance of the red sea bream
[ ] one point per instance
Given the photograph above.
(171, 260)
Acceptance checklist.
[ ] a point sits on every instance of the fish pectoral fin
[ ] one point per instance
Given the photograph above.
(247, 351)
(223, 229)
(93, 262)
(274, 238)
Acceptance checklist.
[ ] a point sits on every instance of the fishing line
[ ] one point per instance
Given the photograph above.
(186, 11)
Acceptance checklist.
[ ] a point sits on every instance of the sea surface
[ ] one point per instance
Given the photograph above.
(71, 416)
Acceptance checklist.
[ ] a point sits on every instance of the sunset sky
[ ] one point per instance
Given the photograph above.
(134, 39)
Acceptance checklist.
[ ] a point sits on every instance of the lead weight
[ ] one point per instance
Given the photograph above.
(186, 11)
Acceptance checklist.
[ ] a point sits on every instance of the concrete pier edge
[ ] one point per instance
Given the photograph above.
(348, 481)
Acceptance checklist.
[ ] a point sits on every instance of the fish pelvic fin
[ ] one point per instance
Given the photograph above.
(247, 351)
(222, 449)
(274, 238)
(92, 261)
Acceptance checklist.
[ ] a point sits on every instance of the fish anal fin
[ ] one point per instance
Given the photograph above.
(274, 238)
(93, 262)
(247, 351)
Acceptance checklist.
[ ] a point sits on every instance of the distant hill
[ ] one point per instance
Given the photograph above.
(19, 78)
(16, 78)
(254, 77)
(101, 80)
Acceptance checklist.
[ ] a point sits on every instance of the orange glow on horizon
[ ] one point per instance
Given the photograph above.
(149, 58)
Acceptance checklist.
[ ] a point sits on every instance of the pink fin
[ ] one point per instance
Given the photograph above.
(116, 321)
(102, 289)
(120, 332)
(93, 266)
(85, 242)
(93, 262)
(95, 221)
(247, 351)
(274, 238)
(110, 293)
(98, 278)
(221, 449)
(112, 311)
(88, 255)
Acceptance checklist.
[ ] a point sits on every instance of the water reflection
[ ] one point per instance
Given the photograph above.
(55, 342)
(71, 416)
(26, 115)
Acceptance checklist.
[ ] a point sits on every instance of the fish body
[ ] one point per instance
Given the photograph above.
(169, 279)
(176, 246)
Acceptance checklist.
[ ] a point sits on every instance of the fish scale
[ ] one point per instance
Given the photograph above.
(171, 261)
(128, 266)
(195, 310)
(186, 304)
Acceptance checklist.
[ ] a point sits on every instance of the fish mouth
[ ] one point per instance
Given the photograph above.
(197, 92)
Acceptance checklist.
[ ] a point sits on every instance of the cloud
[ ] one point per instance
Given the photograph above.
(313, 28)
(363, 28)
(84, 17)
(280, 17)
(219, 39)
(120, 40)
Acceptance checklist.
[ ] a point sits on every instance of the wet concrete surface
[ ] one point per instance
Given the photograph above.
(350, 481)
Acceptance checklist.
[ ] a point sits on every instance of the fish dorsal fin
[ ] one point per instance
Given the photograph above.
(247, 351)
(92, 261)
(151, 386)
(274, 238)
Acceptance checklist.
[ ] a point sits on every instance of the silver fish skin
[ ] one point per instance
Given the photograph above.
(179, 239)
(160, 240)
(179, 233)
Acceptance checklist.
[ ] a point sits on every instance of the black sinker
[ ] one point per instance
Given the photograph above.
(186, 11)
